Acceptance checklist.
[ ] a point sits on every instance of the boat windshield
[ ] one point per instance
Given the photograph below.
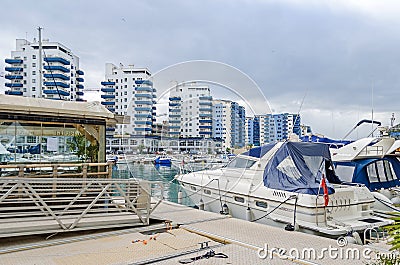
(240, 162)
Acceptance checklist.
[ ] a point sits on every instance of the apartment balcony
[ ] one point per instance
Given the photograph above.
(108, 103)
(14, 69)
(110, 129)
(108, 90)
(56, 92)
(205, 98)
(80, 79)
(56, 68)
(13, 61)
(201, 115)
(13, 84)
(80, 72)
(59, 84)
(144, 82)
(174, 98)
(107, 96)
(175, 121)
(205, 103)
(111, 109)
(175, 110)
(143, 96)
(174, 127)
(141, 115)
(205, 127)
(79, 99)
(204, 109)
(79, 86)
(107, 83)
(143, 88)
(173, 104)
(205, 121)
(13, 77)
(142, 109)
(143, 122)
(142, 129)
(175, 115)
(143, 102)
(79, 93)
(57, 60)
(154, 108)
(14, 92)
(205, 133)
(58, 76)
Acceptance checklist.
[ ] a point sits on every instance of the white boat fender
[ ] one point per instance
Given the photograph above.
(357, 238)
(225, 209)
(180, 197)
(201, 205)
(395, 200)
(248, 214)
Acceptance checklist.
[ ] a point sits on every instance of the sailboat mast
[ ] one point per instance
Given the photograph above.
(372, 111)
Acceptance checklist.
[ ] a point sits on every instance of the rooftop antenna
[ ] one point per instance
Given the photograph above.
(40, 64)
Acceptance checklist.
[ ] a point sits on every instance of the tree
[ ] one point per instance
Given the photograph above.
(83, 148)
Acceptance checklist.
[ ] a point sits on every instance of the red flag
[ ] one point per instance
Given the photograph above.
(325, 188)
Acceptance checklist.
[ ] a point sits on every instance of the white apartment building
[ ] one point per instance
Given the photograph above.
(229, 123)
(190, 111)
(129, 91)
(56, 76)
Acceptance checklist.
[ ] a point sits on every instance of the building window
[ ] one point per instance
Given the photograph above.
(33, 64)
(33, 80)
(33, 72)
(33, 56)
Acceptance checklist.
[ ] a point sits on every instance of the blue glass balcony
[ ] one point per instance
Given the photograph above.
(143, 109)
(57, 60)
(174, 110)
(56, 92)
(80, 99)
(205, 98)
(13, 84)
(175, 115)
(144, 82)
(209, 133)
(174, 127)
(14, 93)
(174, 121)
(110, 129)
(59, 76)
(143, 102)
(174, 98)
(60, 84)
(205, 103)
(174, 132)
(107, 96)
(143, 122)
(173, 104)
(205, 121)
(143, 88)
(108, 90)
(80, 79)
(79, 93)
(205, 127)
(80, 72)
(13, 77)
(14, 69)
(143, 96)
(142, 115)
(205, 115)
(111, 109)
(107, 103)
(107, 83)
(56, 68)
(203, 109)
(13, 61)
(79, 86)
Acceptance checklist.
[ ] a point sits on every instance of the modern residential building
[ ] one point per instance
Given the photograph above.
(253, 131)
(53, 73)
(270, 128)
(129, 91)
(229, 123)
(190, 111)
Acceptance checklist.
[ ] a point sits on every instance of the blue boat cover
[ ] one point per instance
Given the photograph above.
(297, 167)
(331, 142)
(259, 151)
(360, 173)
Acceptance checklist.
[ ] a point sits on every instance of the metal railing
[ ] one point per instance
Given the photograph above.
(60, 201)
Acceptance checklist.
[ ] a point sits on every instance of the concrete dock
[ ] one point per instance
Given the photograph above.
(234, 241)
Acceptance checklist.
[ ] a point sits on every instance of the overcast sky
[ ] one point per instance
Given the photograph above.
(342, 57)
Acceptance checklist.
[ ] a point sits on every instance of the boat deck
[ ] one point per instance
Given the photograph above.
(238, 239)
